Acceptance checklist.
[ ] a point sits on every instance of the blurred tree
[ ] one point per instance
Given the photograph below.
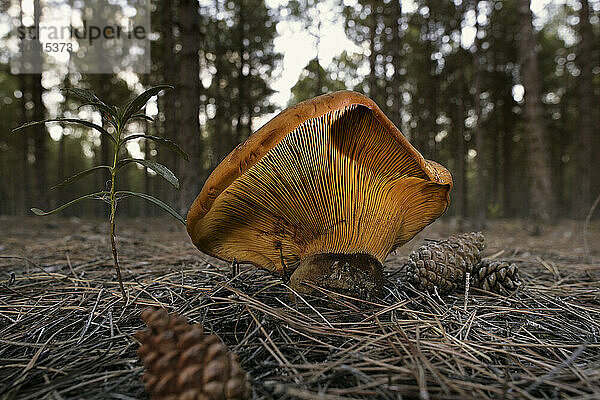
(189, 109)
(39, 134)
(501, 53)
(363, 23)
(586, 111)
(306, 86)
(169, 101)
(238, 49)
(541, 204)
(481, 202)
(394, 49)
(448, 94)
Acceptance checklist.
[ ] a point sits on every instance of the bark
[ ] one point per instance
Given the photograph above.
(459, 197)
(241, 79)
(586, 95)
(61, 156)
(319, 71)
(189, 92)
(396, 114)
(494, 167)
(541, 202)
(372, 81)
(40, 139)
(147, 209)
(103, 92)
(169, 98)
(507, 141)
(40, 135)
(60, 169)
(479, 160)
(24, 181)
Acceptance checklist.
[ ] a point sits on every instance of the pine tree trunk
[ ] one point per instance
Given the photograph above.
(189, 93)
(319, 70)
(541, 203)
(61, 159)
(103, 92)
(24, 181)
(169, 98)
(507, 140)
(494, 167)
(586, 95)
(373, 55)
(480, 159)
(396, 11)
(146, 209)
(460, 194)
(241, 79)
(40, 135)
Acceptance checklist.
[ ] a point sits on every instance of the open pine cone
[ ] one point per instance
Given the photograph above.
(442, 264)
(498, 277)
(184, 364)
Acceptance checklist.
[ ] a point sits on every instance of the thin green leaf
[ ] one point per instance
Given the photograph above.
(91, 99)
(37, 211)
(80, 175)
(136, 104)
(154, 166)
(142, 116)
(73, 120)
(166, 142)
(156, 201)
(85, 94)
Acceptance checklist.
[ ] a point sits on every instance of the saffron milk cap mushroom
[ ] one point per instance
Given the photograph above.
(326, 189)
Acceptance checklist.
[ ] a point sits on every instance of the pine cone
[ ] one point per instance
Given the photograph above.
(184, 364)
(498, 277)
(442, 264)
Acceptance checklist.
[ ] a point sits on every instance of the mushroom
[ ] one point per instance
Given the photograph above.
(325, 190)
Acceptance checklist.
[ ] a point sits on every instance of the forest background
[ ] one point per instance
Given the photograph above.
(508, 99)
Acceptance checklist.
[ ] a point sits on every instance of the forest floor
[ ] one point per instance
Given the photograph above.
(65, 332)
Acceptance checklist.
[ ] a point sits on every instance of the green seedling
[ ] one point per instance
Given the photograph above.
(117, 118)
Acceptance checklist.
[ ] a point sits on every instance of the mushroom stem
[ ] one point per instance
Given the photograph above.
(358, 275)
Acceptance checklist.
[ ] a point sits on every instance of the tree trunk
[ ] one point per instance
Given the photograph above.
(147, 209)
(541, 203)
(103, 92)
(60, 168)
(241, 81)
(40, 135)
(460, 195)
(189, 92)
(319, 71)
(24, 181)
(61, 159)
(479, 160)
(169, 97)
(586, 95)
(373, 55)
(507, 169)
(459, 172)
(396, 11)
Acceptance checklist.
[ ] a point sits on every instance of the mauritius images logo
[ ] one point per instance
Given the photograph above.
(85, 36)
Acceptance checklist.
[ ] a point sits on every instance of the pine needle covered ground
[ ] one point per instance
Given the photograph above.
(64, 332)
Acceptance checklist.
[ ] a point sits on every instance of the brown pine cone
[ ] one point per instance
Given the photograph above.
(184, 364)
(498, 277)
(442, 264)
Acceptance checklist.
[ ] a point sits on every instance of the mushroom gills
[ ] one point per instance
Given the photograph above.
(356, 275)
(338, 183)
(324, 191)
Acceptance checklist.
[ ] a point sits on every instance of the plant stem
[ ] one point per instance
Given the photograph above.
(113, 207)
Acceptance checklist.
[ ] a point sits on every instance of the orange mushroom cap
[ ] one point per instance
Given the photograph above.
(329, 175)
